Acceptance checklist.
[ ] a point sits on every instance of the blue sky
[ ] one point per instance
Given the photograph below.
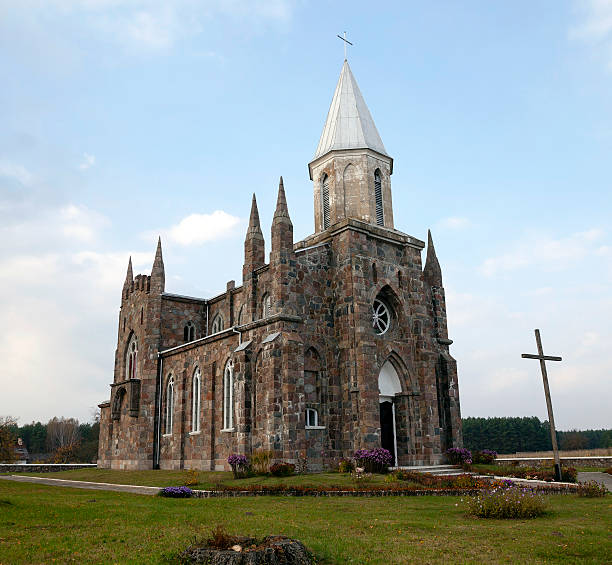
(127, 119)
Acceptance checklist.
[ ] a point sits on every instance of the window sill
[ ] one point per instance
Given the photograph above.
(315, 427)
(228, 430)
(167, 435)
(195, 433)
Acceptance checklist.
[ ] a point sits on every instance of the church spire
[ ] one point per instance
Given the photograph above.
(158, 273)
(432, 271)
(349, 124)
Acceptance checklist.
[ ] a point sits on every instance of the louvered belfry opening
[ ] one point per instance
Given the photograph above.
(325, 201)
(380, 217)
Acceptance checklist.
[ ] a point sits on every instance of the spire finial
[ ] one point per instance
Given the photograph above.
(158, 272)
(281, 202)
(254, 225)
(129, 277)
(432, 271)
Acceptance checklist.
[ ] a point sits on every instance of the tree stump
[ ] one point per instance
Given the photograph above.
(272, 550)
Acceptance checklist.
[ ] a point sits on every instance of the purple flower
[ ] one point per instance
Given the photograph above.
(236, 461)
(176, 492)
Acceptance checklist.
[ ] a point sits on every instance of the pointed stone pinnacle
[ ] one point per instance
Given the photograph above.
(281, 203)
(254, 229)
(129, 277)
(432, 271)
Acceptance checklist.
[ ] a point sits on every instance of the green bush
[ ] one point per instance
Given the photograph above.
(346, 466)
(507, 502)
(592, 489)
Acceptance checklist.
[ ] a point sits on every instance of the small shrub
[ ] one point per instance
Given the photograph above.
(260, 462)
(192, 477)
(608, 470)
(176, 492)
(282, 469)
(509, 502)
(360, 476)
(374, 460)
(346, 466)
(239, 465)
(486, 456)
(459, 456)
(591, 489)
(220, 539)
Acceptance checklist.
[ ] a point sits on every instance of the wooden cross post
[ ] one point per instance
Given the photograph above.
(553, 434)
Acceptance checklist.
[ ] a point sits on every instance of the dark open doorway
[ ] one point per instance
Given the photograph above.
(387, 428)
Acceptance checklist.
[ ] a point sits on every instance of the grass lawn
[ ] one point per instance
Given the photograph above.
(41, 524)
(207, 479)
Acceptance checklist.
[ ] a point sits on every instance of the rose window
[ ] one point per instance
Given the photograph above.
(381, 317)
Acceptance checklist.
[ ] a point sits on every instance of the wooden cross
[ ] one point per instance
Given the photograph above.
(553, 434)
(345, 42)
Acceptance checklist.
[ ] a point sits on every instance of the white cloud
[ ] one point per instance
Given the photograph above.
(545, 252)
(454, 223)
(147, 25)
(595, 26)
(196, 229)
(16, 172)
(88, 161)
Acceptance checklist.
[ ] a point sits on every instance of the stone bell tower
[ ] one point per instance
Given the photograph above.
(351, 169)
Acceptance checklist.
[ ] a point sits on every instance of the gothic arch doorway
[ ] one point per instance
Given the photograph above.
(388, 386)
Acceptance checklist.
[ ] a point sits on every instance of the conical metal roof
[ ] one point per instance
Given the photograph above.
(349, 123)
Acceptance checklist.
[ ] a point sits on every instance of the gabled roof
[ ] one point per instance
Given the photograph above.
(349, 123)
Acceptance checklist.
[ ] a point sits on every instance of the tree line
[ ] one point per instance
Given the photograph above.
(60, 440)
(511, 435)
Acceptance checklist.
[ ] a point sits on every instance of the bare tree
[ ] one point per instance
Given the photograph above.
(62, 432)
(8, 439)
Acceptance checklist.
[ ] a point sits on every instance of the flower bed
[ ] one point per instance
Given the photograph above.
(506, 501)
(176, 492)
(374, 460)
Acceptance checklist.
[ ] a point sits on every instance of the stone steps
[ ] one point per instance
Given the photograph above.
(436, 470)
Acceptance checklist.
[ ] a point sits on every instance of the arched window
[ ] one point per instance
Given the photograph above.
(189, 332)
(314, 389)
(131, 358)
(380, 216)
(195, 401)
(266, 308)
(169, 405)
(228, 396)
(217, 324)
(325, 201)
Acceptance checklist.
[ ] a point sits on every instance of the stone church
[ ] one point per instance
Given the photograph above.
(338, 343)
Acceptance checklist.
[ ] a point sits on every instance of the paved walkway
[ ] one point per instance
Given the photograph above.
(82, 484)
(602, 478)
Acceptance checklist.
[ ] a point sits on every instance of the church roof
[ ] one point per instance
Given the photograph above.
(349, 123)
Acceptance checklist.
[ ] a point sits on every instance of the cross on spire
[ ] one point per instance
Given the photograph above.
(345, 42)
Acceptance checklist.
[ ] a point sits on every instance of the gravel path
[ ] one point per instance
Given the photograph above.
(82, 484)
(602, 478)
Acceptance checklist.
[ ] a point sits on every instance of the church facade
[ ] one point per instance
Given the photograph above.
(338, 343)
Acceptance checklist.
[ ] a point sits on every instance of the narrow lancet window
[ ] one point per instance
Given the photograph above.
(189, 332)
(228, 396)
(195, 402)
(325, 201)
(169, 405)
(380, 217)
